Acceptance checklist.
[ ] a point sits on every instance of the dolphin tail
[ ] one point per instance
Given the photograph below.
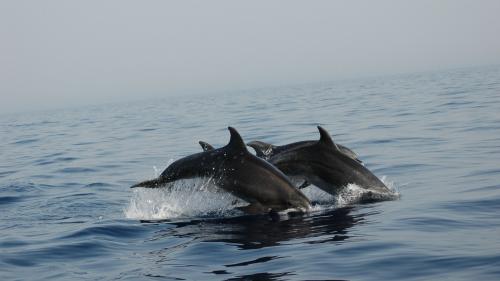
(155, 183)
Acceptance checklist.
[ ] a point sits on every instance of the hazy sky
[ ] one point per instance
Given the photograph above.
(58, 53)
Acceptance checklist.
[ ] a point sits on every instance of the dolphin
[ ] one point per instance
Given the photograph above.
(234, 169)
(207, 147)
(302, 184)
(324, 164)
(266, 150)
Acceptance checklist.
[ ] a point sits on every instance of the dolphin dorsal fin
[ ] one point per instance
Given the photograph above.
(206, 146)
(261, 148)
(236, 142)
(326, 139)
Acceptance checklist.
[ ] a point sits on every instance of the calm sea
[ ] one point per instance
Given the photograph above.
(67, 211)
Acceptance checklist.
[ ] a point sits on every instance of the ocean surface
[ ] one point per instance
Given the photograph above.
(67, 212)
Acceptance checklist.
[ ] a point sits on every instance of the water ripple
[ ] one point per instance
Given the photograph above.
(9, 199)
(112, 231)
(71, 170)
(67, 211)
(25, 141)
(61, 253)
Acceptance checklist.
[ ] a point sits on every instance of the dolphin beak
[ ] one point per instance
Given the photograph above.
(155, 183)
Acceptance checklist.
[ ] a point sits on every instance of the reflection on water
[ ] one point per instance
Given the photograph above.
(262, 276)
(254, 232)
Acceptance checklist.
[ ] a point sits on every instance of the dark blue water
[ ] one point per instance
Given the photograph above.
(67, 212)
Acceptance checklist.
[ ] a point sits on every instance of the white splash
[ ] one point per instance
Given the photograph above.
(354, 194)
(200, 198)
(184, 198)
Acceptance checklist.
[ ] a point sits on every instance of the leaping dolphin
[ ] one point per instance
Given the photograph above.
(322, 163)
(207, 147)
(234, 169)
(266, 150)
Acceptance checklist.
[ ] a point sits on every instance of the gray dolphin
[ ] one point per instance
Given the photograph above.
(267, 150)
(324, 164)
(236, 170)
(207, 147)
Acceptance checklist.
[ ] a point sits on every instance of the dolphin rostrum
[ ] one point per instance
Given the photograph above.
(322, 163)
(234, 169)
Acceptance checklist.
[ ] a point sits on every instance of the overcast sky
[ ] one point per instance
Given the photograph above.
(65, 53)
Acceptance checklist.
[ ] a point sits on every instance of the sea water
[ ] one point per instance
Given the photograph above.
(67, 211)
